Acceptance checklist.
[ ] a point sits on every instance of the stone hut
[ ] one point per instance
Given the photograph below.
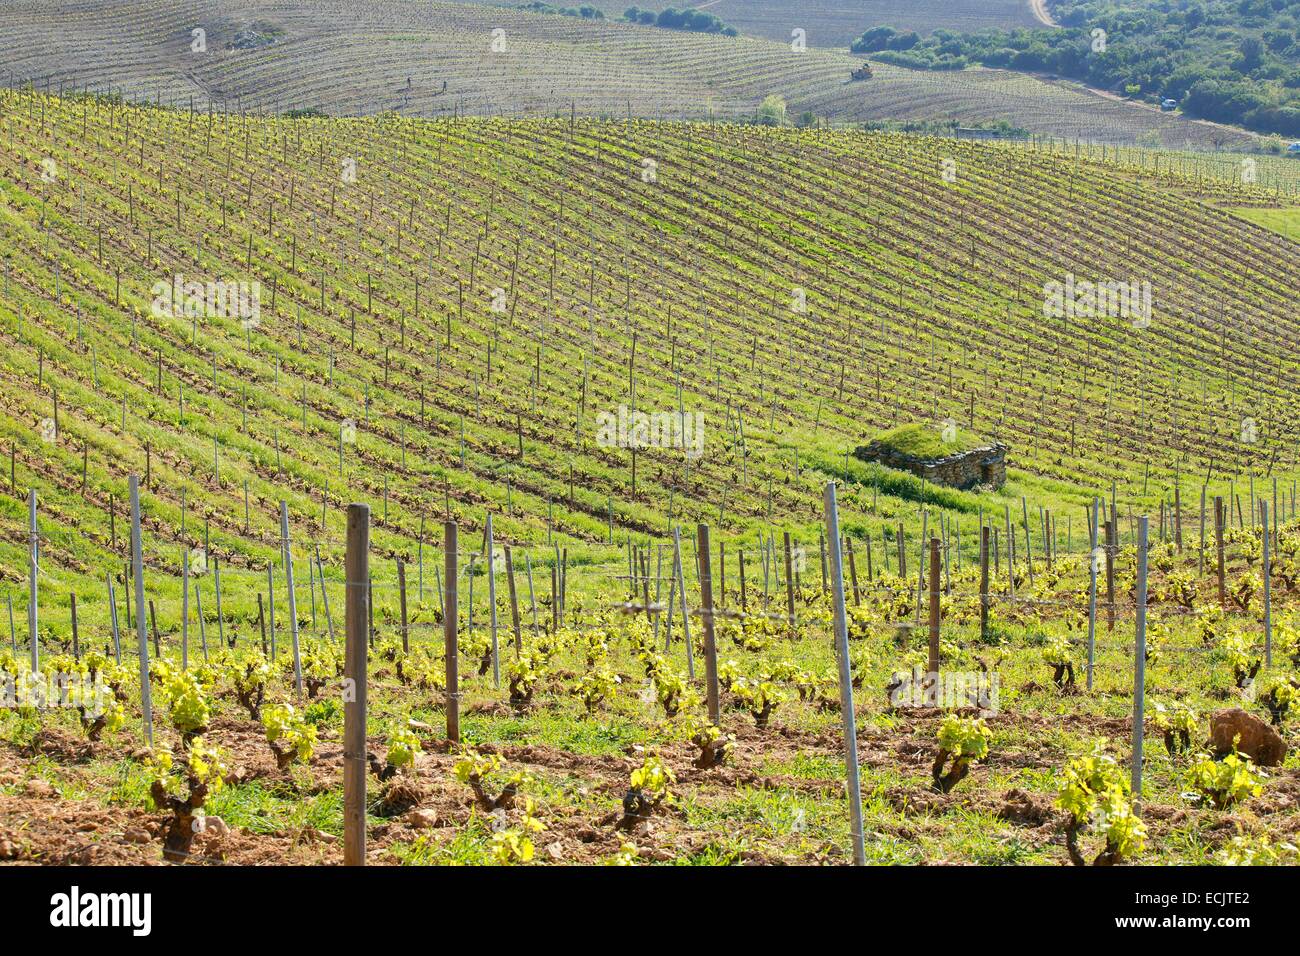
(984, 464)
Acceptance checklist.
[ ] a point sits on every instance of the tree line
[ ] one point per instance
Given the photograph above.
(1231, 61)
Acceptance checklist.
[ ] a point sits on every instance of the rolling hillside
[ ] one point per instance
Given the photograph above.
(261, 320)
(447, 308)
(436, 60)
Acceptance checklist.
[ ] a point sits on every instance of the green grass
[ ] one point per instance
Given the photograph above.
(1285, 222)
(260, 808)
(928, 441)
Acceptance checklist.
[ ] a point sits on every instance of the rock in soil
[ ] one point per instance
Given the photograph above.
(1257, 740)
(421, 819)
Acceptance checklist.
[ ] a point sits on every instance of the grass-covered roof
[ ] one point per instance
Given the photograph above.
(929, 441)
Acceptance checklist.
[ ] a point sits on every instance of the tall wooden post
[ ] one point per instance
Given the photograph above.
(401, 591)
(492, 602)
(357, 575)
(707, 612)
(185, 607)
(984, 582)
(1218, 547)
(1093, 562)
(450, 611)
(1268, 573)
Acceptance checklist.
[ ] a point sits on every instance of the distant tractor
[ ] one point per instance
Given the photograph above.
(1168, 106)
(862, 73)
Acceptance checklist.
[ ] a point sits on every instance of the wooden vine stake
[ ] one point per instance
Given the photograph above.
(707, 611)
(185, 608)
(1092, 592)
(401, 588)
(357, 576)
(1218, 547)
(984, 582)
(1268, 597)
(449, 613)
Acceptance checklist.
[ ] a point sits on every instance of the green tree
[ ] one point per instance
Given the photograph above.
(771, 112)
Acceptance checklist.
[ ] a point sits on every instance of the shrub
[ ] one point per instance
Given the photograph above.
(965, 740)
(1224, 782)
(1177, 724)
(648, 789)
(771, 112)
(1096, 794)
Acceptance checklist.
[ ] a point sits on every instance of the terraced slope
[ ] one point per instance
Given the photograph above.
(349, 57)
(481, 290)
(835, 23)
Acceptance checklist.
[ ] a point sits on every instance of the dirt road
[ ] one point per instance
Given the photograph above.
(1040, 13)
